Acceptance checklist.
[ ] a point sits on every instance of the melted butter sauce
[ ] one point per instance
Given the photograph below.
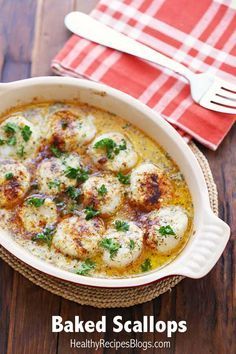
(147, 149)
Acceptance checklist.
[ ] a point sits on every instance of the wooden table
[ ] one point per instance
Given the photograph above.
(208, 305)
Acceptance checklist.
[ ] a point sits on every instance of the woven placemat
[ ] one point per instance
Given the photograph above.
(108, 298)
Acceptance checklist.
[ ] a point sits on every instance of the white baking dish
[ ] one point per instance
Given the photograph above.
(210, 233)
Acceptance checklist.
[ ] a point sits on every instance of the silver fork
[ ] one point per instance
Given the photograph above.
(209, 91)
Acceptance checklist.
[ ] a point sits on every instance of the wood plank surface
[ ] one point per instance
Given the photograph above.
(24, 308)
(208, 304)
(51, 32)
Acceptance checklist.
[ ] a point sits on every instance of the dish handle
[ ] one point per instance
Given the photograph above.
(207, 248)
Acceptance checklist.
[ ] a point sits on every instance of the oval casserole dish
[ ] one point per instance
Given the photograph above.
(210, 234)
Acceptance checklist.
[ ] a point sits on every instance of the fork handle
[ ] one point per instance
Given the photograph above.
(93, 30)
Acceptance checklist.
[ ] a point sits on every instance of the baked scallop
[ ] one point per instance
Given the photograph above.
(104, 192)
(77, 237)
(122, 244)
(5, 219)
(54, 175)
(148, 187)
(37, 213)
(114, 152)
(18, 138)
(70, 129)
(166, 227)
(14, 182)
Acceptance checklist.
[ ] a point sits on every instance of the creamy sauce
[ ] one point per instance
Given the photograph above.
(147, 150)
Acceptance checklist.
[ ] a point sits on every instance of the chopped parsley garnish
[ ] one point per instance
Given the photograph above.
(68, 208)
(10, 128)
(11, 141)
(126, 125)
(82, 175)
(90, 212)
(71, 208)
(34, 186)
(131, 244)
(102, 190)
(2, 142)
(54, 184)
(21, 151)
(71, 172)
(56, 152)
(166, 230)
(124, 179)
(64, 124)
(110, 245)
(121, 225)
(37, 202)
(146, 265)
(9, 176)
(107, 144)
(110, 147)
(73, 192)
(86, 267)
(26, 133)
(76, 173)
(59, 203)
(122, 146)
(45, 236)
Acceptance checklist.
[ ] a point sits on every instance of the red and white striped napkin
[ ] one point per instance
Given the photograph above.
(199, 34)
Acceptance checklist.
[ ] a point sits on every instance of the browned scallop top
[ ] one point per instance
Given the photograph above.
(63, 123)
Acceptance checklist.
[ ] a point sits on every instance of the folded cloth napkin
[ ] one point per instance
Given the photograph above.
(199, 34)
